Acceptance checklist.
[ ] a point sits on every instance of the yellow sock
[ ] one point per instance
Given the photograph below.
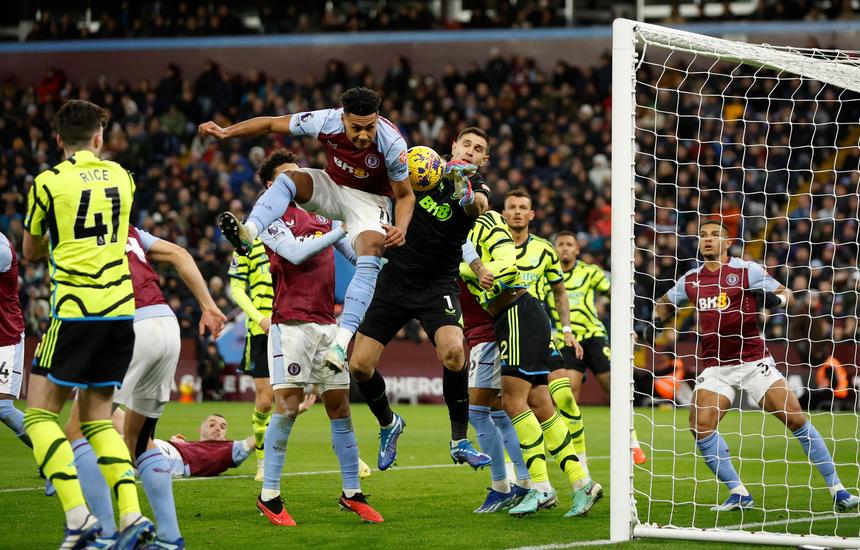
(54, 455)
(114, 462)
(259, 423)
(560, 445)
(563, 397)
(531, 442)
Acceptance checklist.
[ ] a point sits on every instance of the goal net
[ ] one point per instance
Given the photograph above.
(765, 139)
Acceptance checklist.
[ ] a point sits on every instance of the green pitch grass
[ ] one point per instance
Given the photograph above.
(427, 502)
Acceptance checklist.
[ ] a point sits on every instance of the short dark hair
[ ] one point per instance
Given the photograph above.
(360, 101)
(77, 121)
(519, 192)
(277, 158)
(216, 414)
(476, 131)
(712, 221)
(565, 233)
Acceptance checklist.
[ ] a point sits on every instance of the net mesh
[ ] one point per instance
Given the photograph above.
(767, 140)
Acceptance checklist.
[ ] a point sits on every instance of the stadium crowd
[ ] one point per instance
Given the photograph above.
(550, 133)
(134, 19)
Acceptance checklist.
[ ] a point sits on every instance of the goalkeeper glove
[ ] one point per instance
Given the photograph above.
(767, 299)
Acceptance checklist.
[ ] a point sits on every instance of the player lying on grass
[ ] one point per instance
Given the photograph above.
(419, 282)
(728, 293)
(303, 329)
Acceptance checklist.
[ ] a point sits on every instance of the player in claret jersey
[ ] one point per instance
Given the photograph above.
(213, 455)
(728, 294)
(11, 341)
(366, 166)
(303, 327)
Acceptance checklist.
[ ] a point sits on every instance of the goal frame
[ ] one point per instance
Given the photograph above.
(624, 524)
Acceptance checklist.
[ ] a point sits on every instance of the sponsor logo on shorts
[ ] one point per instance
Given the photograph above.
(700, 379)
(372, 161)
(732, 279)
(306, 117)
(294, 369)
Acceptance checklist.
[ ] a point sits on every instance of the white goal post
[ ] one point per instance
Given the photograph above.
(635, 488)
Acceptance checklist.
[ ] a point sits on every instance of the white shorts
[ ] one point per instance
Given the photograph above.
(12, 368)
(485, 367)
(754, 378)
(360, 210)
(146, 386)
(296, 352)
(174, 459)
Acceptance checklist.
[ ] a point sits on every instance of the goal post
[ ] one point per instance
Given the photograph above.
(748, 132)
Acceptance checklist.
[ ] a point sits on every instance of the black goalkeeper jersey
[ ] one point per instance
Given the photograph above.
(436, 234)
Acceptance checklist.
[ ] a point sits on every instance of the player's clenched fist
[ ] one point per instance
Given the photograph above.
(212, 129)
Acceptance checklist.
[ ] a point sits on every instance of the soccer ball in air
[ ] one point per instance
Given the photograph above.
(425, 168)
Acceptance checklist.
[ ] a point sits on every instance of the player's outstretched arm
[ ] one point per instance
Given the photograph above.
(281, 240)
(404, 203)
(257, 126)
(211, 317)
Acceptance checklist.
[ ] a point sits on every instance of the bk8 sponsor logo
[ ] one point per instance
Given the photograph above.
(357, 172)
(714, 302)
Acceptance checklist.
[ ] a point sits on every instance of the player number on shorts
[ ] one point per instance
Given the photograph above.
(448, 301)
(503, 350)
(98, 229)
(4, 370)
(765, 368)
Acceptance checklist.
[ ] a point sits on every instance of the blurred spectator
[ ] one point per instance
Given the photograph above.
(209, 369)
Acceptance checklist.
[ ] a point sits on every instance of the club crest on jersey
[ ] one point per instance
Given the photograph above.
(732, 279)
(372, 161)
(360, 173)
(321, 219)
(720, 302)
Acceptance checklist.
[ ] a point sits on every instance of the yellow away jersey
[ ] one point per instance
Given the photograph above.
(252, 273)
(84, 204)
(538, 261)
(495, 246)
(581, 284)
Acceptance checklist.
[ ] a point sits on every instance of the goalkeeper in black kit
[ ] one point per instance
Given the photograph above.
(419, 282)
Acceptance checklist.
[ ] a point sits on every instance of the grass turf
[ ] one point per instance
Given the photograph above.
(427, 502)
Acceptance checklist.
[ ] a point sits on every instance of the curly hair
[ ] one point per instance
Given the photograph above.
(360, 101)
(277, 158)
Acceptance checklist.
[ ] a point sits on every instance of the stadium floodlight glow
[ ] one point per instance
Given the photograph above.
(703, 125)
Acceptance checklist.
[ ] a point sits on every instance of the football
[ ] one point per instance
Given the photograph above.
(425, 168)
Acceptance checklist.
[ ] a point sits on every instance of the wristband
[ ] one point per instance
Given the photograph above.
(566, 329)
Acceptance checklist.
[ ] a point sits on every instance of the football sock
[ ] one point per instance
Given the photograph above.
(277, 436)
(715, 451)
(814, 447)
(54, 456)
(455, 390)
(531, 443)
(567, 407)
(259, 422)
(93, 485)
(115, 464)
(158, 486)
(271, 205)
(14, 418)
(490, 440)
(358, 296)
(373, 390)
(511, 442)
(559, 443)
(345, 447)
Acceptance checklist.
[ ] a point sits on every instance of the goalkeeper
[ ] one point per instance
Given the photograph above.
(728, 294)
